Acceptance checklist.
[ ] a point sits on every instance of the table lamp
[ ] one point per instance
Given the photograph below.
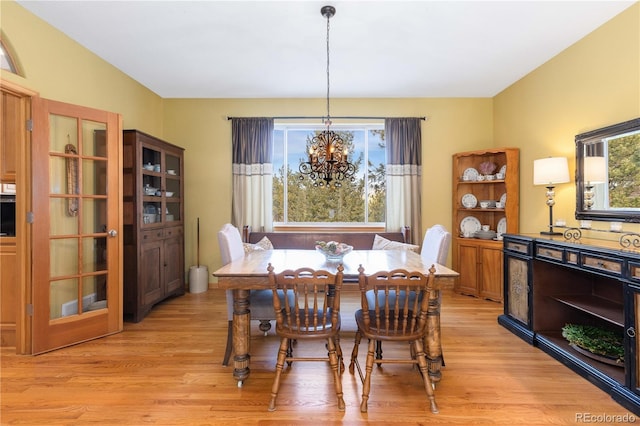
(549, 172)
(594, 172)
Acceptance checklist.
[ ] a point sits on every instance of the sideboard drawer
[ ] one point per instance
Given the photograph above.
(174, 231)
(634, 271)
(572, 257)
(547, 252)
(151, 235)
(610, 266)
(518, 247)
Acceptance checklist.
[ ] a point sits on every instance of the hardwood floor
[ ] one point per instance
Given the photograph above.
(166, 370)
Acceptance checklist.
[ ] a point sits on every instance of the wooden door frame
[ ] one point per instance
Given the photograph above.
(23, 232)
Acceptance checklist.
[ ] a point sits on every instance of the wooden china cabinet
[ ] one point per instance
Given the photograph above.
(484, 176)
(153, 222)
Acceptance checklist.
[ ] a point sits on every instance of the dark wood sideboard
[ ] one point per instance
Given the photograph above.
(550, 282)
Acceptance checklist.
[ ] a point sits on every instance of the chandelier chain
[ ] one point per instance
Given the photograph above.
(328, 163)
(328, 81)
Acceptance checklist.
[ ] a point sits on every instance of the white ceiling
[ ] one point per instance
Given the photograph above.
(277, 49)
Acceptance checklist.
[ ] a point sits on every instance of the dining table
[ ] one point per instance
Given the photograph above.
(250, 273)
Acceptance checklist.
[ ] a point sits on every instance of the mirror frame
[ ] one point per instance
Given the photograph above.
(618, 215)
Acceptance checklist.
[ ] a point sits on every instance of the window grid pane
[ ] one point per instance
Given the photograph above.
(296, 201)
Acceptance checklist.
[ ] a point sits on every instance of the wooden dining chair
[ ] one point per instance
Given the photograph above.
(434, 249)
(311, 316)
(393, 319)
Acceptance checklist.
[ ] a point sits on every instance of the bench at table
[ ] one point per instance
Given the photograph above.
(360, 240)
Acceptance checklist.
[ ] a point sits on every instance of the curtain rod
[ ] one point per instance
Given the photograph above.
(334, 117)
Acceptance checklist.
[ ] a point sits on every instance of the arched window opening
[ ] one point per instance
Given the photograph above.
(6, 61)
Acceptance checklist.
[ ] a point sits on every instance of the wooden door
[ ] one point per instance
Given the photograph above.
(151, 271)
(173, 262)
(77, 188)
(9, 294)
(517, 275)
(492, 276)
(468, 269)
(11, 129)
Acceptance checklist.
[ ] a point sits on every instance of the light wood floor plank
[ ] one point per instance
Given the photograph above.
(166, 370)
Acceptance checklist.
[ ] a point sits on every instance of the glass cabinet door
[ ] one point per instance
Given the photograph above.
(173, 187)
(161, 187)
(151, 171)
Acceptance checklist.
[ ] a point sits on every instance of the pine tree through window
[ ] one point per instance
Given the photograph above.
(361, 202)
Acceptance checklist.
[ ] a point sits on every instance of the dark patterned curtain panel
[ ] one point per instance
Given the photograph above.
(404, 175)
(252, 199)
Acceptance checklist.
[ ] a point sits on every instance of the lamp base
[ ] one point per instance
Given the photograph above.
(550, 233)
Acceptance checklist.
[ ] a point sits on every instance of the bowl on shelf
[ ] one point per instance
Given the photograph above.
(485, 235)
(148, 218)
(487, 204)
(333, 250)
(148, 166)
(149, 190)
(168, 194)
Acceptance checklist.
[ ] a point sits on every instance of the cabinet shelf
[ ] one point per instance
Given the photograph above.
(480, 182)
(597, 306)
(562, 348)
(480, 210)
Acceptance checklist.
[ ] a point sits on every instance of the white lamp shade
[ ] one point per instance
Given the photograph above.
(549, 171)
(595, 169)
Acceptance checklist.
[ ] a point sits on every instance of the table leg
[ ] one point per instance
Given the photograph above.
(432, 342)
(241, 324)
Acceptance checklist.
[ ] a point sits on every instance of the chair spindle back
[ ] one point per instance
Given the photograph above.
(312, 299)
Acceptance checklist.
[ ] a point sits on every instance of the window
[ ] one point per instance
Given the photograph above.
(6, 62)
(358, 203)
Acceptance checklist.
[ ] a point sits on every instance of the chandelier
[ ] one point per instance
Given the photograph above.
(328, 163)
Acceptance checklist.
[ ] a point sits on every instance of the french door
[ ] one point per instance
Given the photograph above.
(76, 238)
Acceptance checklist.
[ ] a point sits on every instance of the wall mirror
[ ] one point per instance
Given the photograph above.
(608, 173)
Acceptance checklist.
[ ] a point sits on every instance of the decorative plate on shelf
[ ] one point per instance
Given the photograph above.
(470, 174)
(503, 170)
(470, 225)
(502, 226)
(469, 201)
(503, 199)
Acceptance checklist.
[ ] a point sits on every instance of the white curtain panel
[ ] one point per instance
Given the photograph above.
(404, 185)
(253, 196)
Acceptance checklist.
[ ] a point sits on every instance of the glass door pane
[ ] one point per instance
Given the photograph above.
(78, 215)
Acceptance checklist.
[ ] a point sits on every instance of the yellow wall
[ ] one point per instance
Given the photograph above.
(58, 68)
(589, 85)
(202, 128)
(592, 84)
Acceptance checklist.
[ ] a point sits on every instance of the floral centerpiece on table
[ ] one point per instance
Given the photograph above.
(333, 250)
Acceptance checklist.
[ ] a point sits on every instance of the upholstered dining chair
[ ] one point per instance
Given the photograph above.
(435, 245)
(311, 316)
(260, 301)
(393, 319)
